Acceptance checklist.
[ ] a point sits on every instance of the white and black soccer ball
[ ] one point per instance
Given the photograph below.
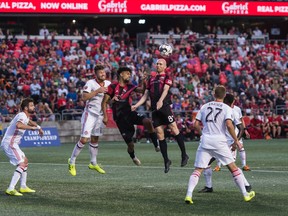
(165, 49)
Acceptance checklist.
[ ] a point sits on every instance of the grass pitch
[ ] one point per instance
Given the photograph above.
(129, 190)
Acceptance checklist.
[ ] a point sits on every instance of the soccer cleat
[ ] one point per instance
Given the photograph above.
(248, 188)
(27, 190)
(136, 161)
(167, 166)
(13, 193)
(250, 196)
(206, 190)
(188, 200)
(184, 160)
(246, 168)
(97, 168)
(157, 149)
(72, 168)
(217, 169)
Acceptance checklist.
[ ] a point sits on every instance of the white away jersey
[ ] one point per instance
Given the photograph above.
(213, 116)
(14, 135)
(237, 114)
(94, 104)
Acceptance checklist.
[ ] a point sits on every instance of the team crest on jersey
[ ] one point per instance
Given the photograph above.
(169, 82)
(86, 132)
(85, 87)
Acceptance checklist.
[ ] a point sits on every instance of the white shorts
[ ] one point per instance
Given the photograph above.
(222, 154)
(91, 125)
(15, 154)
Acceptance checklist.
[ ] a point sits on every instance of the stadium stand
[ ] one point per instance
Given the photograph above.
(53, 69)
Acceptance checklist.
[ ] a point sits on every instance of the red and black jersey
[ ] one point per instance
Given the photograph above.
(155, 85)
(122, 107)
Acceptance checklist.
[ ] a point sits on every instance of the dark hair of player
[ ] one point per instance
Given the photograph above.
(25, 102)
(98, 67)
(229, 98)
(121, 69)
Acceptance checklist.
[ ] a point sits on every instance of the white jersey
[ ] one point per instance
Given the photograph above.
(14, 135)
(94, 104)
(237, 114)
(213, 116)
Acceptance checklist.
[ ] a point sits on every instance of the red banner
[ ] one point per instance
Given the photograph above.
(145, 7)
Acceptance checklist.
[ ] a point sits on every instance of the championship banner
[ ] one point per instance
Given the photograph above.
(146, 7)
(33, 139)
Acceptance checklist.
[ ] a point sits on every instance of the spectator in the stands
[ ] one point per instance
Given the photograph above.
(35, 89)
(44, 31)
(61, 103)
(62, 90)
(72, 94)
(257, 31)
(28, 42)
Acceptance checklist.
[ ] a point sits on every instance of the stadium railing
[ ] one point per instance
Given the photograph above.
(71, 114)
(49, 37)
(162, 38)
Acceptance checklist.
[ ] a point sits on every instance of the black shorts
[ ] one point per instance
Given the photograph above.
(126, 125)
(163, 116)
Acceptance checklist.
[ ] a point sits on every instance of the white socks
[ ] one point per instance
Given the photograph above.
(93, 148)
(24, 178)
(15, 178)
(239, 180)
(76, 151)
(242, 154)
(193, 181)
(208, 177)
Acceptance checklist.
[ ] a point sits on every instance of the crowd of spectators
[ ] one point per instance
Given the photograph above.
(54, 71)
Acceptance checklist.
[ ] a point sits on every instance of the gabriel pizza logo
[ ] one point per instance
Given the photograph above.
(111, 6)
(235, 8)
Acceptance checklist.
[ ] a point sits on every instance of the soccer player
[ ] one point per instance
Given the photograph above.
(216, 118)
(239, 130)
(91, 121)
(242, 153)
(10, 145)
(157, 88)
(119, 93)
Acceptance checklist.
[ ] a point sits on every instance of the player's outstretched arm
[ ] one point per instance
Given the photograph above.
(34, 124)
(21, 126)
(105, 100)
(141, 101)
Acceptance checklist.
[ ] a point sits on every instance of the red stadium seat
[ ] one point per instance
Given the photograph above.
(247, 120)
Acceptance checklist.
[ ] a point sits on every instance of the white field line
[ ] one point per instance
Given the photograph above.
(254, 169)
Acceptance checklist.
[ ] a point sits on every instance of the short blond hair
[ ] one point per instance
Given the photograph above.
(220, 92)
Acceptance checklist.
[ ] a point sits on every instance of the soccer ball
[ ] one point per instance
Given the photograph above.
(165, 49)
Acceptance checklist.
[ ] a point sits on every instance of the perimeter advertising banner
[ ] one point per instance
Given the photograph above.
(146, 7)
(33, 139)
